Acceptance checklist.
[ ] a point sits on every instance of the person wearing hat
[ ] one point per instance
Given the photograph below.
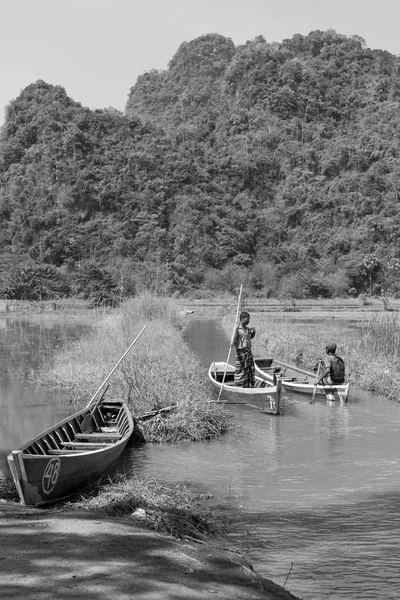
(334, 367)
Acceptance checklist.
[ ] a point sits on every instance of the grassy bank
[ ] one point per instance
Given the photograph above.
(370, 347)
(159, 372)
(179, 510)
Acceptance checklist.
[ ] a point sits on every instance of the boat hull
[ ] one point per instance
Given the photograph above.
(45, 471)
(270, 370)
(221, 377)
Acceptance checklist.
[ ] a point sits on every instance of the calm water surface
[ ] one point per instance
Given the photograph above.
(24, 410)
(319, 485)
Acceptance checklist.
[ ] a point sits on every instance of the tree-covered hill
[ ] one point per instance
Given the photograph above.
(273, 163)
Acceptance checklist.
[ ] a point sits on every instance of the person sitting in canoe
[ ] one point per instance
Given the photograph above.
(241, 340)
(334, 367)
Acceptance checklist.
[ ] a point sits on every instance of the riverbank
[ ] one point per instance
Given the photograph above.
(81, 556)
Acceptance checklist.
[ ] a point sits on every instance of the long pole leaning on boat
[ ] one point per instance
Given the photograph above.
(118, 363)
(230, 344)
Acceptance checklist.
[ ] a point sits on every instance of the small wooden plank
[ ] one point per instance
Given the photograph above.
(99, 436)
(293, 368)
(65, 451)
(84, 445)
(109, 404)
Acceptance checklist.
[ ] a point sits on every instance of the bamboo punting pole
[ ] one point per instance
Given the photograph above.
(230, 345)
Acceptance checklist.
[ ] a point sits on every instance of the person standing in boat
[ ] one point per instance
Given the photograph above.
(334, 367)
(241, 340)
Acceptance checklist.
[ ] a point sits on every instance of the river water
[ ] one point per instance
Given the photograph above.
(25, 411)
(318, 486)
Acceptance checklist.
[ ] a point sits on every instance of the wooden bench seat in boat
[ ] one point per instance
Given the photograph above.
(65, 451)
(85, 445)
(97, 435)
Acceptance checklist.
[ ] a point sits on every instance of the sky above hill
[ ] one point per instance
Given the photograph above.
(96, 49)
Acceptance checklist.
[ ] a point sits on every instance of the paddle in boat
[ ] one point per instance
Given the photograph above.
(72, 455)
(265, 393)
(299, 380)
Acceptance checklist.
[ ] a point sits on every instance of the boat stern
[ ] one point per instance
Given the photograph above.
(16, 464)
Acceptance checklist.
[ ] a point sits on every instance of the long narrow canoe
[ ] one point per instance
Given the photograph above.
(267, 395)
(73, 454)
(298, 380)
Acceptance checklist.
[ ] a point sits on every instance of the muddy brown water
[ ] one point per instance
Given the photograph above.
(318, 486)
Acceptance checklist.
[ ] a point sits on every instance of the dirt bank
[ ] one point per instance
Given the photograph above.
(46, 555)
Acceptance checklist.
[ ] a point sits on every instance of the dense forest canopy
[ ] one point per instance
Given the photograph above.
(272, 164)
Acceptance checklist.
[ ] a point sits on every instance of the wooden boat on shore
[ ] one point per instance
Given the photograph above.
(267, 395)
(271, 369)
(71, 455)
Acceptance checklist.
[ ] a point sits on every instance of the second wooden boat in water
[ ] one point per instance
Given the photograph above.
(298, 380)
(266, 395)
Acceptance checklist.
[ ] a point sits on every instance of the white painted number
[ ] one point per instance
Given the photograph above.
(50, 476)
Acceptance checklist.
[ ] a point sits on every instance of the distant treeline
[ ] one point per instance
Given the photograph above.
(275, 165)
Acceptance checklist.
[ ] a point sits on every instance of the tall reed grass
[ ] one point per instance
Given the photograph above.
(381, 335)
(376, 358)
(160, 371)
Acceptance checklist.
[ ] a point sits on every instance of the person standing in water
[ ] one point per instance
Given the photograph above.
(241, 340)
(334, 367)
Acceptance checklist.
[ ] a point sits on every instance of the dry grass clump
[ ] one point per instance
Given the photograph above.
(190, 422)
(148, 307)
(376, 360)
(174, 509)
(381, 335)
(8, 491)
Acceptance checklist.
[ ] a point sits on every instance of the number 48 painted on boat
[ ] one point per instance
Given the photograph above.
(50, 475)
